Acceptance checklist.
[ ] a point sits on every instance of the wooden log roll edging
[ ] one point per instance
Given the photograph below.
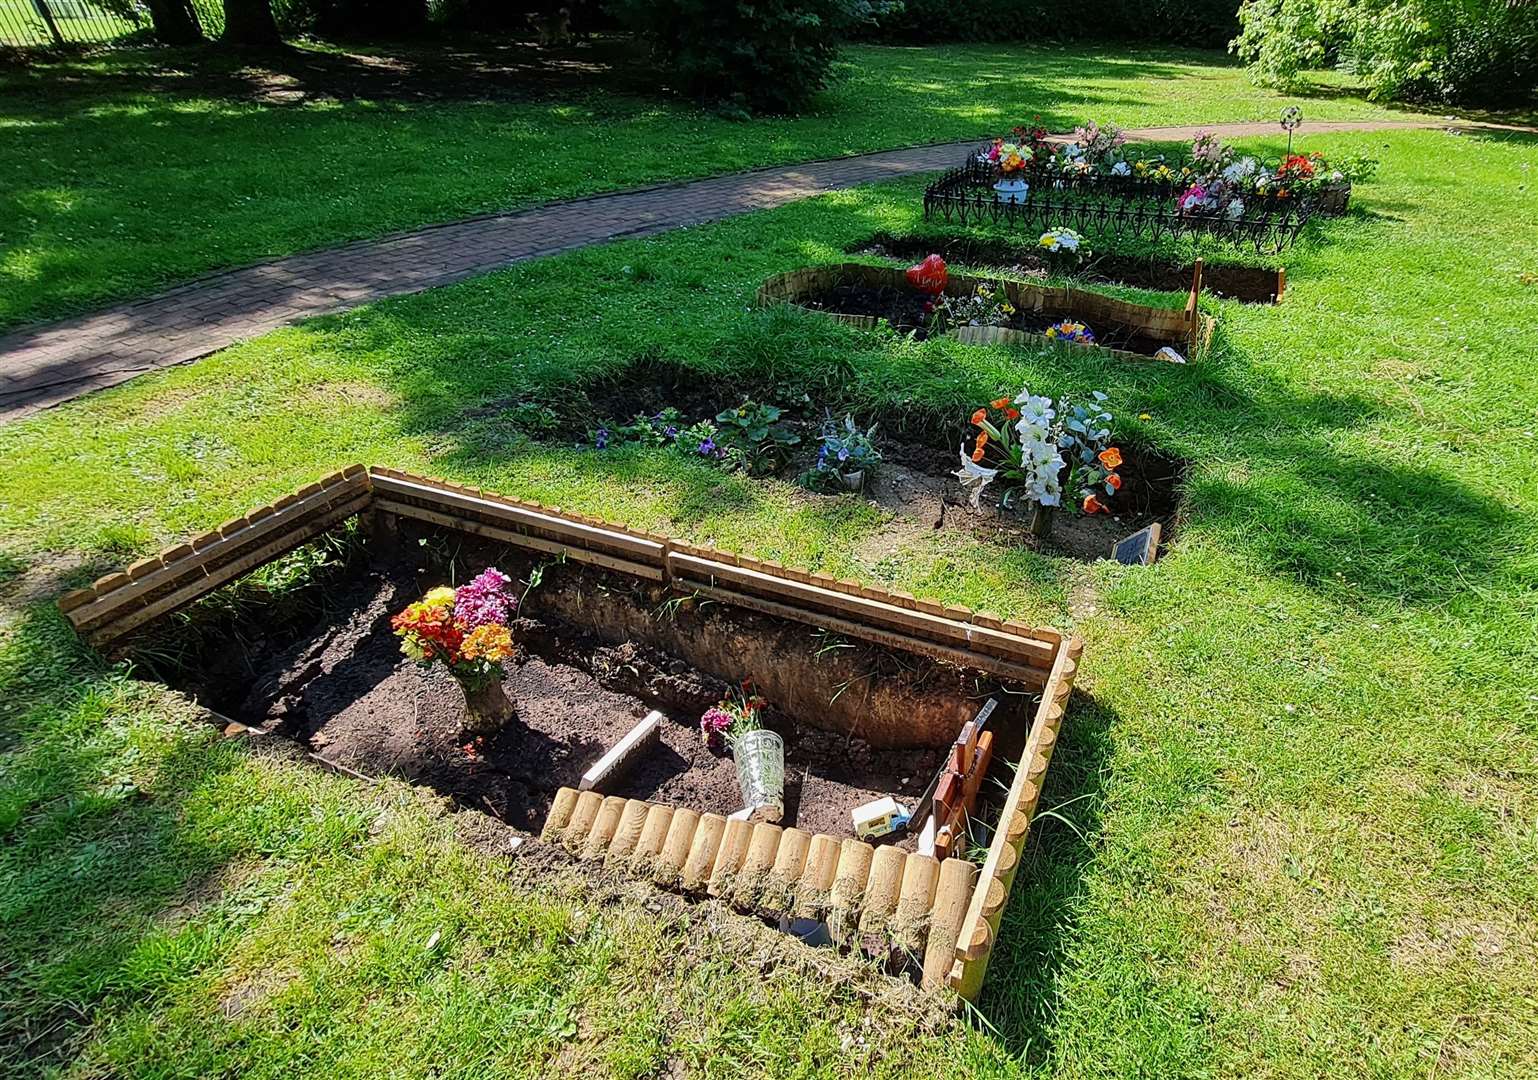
(975, 937)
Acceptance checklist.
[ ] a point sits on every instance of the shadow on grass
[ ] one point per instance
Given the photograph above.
(1036, 937)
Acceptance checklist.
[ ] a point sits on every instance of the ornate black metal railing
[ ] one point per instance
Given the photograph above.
(1111, 207)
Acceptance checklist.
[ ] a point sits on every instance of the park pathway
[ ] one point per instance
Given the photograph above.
(47, 364)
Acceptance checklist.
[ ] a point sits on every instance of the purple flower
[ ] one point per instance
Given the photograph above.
(843, 453)
(707, 448)
(601, 440)
(670, 432)
(486, 600)
(714, 725)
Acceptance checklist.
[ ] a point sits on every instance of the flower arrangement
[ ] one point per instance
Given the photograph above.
(1064, 247)
(662, 429)
(736, 723)
(728, 720)
(1212, 179)
(988, 306)
(1042, 452)
(845, 458)
(469, 631)
(1068, 330)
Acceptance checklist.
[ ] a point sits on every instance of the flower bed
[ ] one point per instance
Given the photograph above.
(603, 623)
(1093, 184)
(866, 296)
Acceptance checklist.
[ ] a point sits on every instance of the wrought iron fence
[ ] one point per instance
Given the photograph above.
(43, 23)
(1114, 207)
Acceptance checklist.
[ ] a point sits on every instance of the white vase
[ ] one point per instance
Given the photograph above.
(1011, 191)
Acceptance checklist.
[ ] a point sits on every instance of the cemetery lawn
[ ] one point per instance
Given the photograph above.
(1292, 820)
(125, 172)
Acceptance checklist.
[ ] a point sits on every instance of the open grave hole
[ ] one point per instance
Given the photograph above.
(870, 687)
(1248, 283)
(599, 652)
(916, 481)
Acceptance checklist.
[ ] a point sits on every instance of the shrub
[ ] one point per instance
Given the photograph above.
(770, 56)
(1186, 22)
(1463, 52)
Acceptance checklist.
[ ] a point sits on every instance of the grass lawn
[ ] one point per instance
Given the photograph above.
(1295, 813)
(124, 173)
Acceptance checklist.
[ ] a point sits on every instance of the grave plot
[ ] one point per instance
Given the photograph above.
(617, 643)
(1247, 283)
(1018, 312)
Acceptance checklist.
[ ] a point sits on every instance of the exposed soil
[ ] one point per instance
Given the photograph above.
(1250, 284)
(344, 690)
(906, 310)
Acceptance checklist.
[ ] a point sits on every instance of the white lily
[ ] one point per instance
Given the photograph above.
(974, 478)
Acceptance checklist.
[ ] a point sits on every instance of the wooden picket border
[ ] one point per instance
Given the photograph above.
(1188, 328)
(953, 914)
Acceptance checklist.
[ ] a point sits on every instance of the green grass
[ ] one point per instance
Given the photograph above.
(1296, 799)
(117, 178)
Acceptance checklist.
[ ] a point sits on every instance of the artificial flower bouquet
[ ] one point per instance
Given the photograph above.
(1065, 248)
(469, 631)
(845, 459)
(1042, 453)
(736, 723)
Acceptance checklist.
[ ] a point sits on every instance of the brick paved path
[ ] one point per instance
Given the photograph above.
(47, 364)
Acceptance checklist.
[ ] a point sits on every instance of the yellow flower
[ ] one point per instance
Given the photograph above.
(442, 596)
(490, 642)
(1145, 416)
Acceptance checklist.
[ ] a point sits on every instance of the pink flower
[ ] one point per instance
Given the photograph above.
(485, 601)
(714, 725)
(1193, 197)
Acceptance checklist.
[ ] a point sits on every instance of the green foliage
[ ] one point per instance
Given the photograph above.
(753, 438)
(1199, 22)
(1462, 52)
(765, 57)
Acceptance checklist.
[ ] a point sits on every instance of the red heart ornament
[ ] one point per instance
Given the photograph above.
(929, 276)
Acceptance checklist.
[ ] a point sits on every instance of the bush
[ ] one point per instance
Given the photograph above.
(1462, 52)
(1208, 23)
(769, 56)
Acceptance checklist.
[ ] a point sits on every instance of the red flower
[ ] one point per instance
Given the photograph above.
(979, 416)
(1093, 505)
(982, 441)
(1114, 481)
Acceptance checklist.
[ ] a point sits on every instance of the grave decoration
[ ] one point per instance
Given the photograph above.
(469, 631)
(1094, 183)
(737, 724)
(846, 458)
(1042, 454)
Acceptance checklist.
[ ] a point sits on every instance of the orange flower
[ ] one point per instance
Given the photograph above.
(999, 404)
(979, 416)
(1111, 458)
(1114, 481)
(982, 441)
(1093, 505)
(1012, 413)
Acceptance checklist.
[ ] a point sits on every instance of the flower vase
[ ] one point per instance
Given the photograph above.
(852, 481)
(760, 758)
(487, 708)
(1011, 190)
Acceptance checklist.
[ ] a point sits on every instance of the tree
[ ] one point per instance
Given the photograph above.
(1464, 52)
(769, 56)
(175, 22)
(249, 24)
